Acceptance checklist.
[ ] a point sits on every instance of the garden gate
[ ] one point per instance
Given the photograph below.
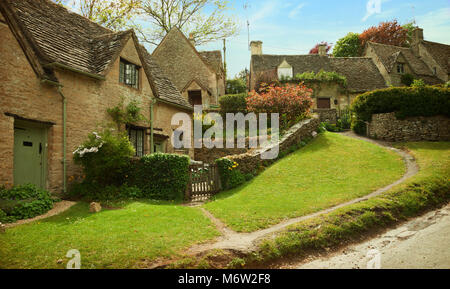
(204, 182)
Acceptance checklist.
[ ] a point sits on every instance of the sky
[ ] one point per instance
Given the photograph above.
(295, 26)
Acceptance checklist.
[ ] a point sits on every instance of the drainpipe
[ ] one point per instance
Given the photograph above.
(64, 138)
(152, 117)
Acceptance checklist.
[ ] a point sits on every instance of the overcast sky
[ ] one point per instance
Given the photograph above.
(295, 26)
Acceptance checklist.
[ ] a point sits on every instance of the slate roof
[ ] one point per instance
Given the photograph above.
(361, 72)
(57, 35)
(440, 52)
(214, 58)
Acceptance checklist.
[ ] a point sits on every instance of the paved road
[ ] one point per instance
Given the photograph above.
(420, 243)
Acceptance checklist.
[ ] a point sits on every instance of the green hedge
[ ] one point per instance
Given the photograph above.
(230, 176)
(404, 101)
(233, 103)
(160, 176)
(23, 202)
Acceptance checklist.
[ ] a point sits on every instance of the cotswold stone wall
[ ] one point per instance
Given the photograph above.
(327, 115)
(210, 155)
(387, 127)
(250, 162)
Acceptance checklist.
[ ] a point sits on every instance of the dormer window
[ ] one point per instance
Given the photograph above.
(129, 74)
(400, 68)
(285, 71)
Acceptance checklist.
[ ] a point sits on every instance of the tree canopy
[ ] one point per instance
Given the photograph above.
(348, 46)
(390, 33)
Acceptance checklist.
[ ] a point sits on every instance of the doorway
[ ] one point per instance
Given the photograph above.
(30, 153)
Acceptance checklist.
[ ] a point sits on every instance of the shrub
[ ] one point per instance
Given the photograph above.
(332, 127)
(404, 101)
(407, 79)
(105, 157)
(322, 76)
(291, 102)
(160, 176)
(230, 176)
(23, 202)
(345, 119)
(447, 84)
(96, 192)
(418, 83)
(233, 103)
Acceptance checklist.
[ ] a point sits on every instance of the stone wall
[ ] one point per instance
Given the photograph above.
(387, 127)
(327, 115)
(251, 161)
(209, 156)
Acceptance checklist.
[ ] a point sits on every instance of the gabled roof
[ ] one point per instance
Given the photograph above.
(440, 52)
(175, 30)
(361, 72)
(388, 54)
(50, 34)
(214, 58)
(202, 85)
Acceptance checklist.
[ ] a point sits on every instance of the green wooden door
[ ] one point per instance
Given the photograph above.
(29, 156)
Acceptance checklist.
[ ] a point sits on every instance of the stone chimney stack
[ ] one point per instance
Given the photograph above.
(417, 35)
(192, 39)
(256, 47)
(322, 50)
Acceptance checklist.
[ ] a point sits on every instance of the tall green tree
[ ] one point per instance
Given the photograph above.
(113, 14)
(409, 27)
(348, 46)
(206, 20)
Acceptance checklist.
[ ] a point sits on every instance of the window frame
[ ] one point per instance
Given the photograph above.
(129, 73)
(400, 68)
(134, 140)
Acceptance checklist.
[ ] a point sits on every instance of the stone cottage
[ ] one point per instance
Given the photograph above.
(200, 76)
(424, 60)
(60, 73)
(361, 73)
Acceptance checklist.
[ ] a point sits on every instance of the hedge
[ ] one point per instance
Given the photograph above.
(404, 101)
(160, 176)
(23, 202)
(233, 103)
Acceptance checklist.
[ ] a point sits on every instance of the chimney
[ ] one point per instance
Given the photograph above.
(256, 47)
(417, 35)
(322, 49)
(192, 39)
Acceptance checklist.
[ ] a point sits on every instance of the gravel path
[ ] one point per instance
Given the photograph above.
(422, 243)
(246, 242)
(58, 208)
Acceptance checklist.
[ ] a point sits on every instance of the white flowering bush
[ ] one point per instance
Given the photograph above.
(105, 157)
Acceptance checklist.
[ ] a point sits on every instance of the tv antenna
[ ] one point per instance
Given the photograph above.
(246, 7)
(413, 13)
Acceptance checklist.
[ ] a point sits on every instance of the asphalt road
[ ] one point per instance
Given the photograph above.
(422, 243)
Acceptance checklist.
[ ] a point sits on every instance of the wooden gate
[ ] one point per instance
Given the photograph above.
(204, 182)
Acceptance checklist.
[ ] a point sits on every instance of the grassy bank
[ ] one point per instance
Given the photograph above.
(330, 170)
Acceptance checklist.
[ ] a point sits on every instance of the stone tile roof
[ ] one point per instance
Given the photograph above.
(388, 55)
(214, 58)
(440, 52)
(58, 35)
(166, 90)
(361, 73)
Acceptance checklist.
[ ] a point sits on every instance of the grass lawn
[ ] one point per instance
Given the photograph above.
(110, 239)
(330, 170)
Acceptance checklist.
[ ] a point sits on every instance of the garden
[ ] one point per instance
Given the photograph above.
(145, 221)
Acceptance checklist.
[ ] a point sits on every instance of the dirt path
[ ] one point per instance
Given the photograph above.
(58, 208)
(422, 243)
(246, 242)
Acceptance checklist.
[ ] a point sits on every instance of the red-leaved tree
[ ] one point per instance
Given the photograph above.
(391, 33)
(315, 49)
(290, 101)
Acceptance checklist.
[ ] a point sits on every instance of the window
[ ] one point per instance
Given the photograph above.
(136, 137)
(129, 74)
(400, 68)
(195, 97)
(323, 103)
(434, 70)
(285, 73)
(159, 147)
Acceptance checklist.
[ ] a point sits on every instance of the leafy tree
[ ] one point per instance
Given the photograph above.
(391, 33)
(315, 49)
(113, 14)
(238, 84)
(409, 27)
(189, 16)
(348, 46)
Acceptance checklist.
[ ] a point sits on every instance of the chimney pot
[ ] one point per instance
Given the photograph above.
(417, 35)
